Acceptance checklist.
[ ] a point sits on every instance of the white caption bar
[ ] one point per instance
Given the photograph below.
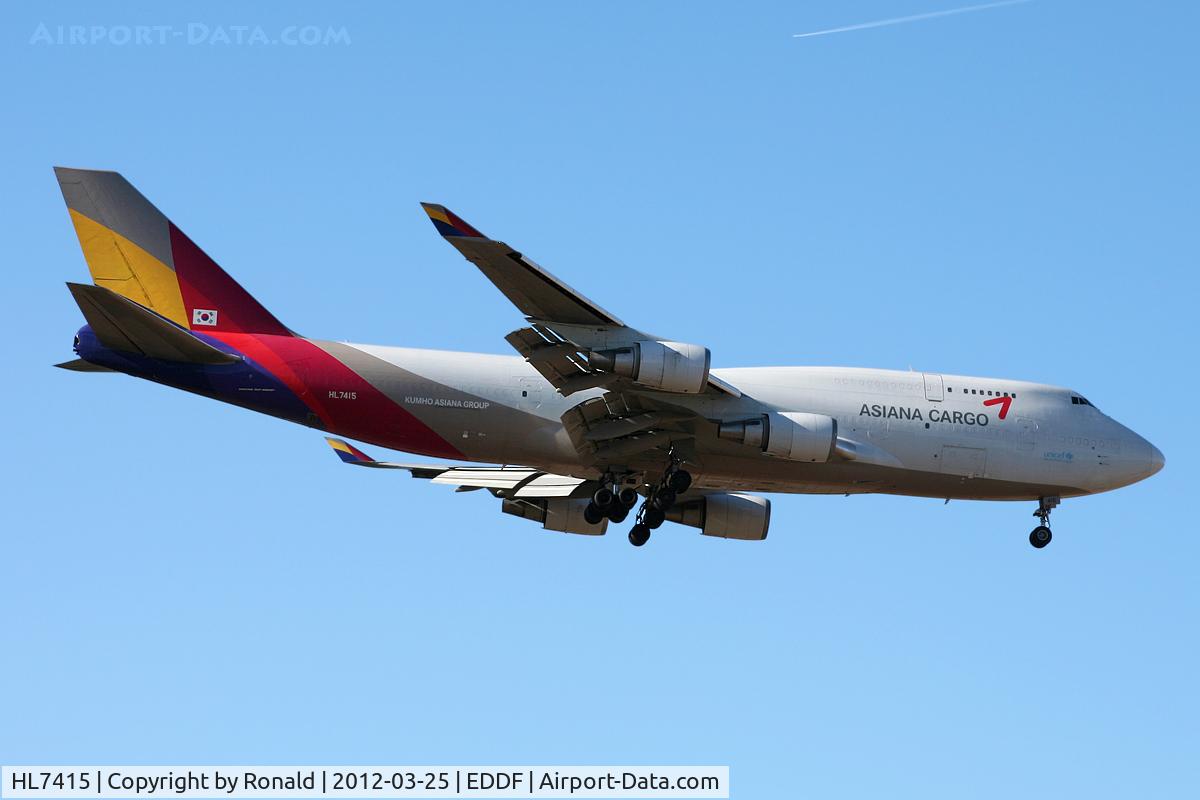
(285, 783)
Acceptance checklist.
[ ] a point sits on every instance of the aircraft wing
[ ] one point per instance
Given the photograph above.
(566, 328)
(537, 293)
(507, 482)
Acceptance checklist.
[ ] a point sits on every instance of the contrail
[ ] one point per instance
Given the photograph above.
(880, 23)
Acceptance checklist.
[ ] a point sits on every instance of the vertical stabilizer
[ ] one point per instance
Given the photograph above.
(133, 249)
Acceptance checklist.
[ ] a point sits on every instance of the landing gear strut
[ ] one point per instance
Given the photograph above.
(653, 513)
(1041, 536)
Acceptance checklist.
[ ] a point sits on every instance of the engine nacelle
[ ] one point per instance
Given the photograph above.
(561, 514)
(793, 435)
(728, 515)
(670, 366)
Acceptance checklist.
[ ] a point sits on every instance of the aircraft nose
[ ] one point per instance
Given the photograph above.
(1156, 460)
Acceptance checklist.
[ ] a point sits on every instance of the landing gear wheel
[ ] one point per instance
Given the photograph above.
(618, 513)
(680, 481)
(664, 499)
(603, 497)
(1040, 537)
(653, 517)
(627, 497)
(639, 535)
(592, 514)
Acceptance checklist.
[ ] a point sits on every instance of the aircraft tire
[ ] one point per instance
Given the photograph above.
(603, 497)
(628, 497)
(639, 535)
(680, 481)
(592, 514)
(654, 517)
(1040, 537)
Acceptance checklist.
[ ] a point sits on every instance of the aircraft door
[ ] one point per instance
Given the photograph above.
(1026, 433)
(933, 387)
(970, 462)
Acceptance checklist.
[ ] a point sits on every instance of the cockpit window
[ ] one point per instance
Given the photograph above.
(1077, 400)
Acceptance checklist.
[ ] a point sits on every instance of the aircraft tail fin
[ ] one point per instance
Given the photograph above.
(123, 325)
(133, 250)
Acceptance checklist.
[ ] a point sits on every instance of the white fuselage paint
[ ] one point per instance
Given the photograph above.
(917, 433)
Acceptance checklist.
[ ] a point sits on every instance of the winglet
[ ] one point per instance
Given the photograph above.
(349, 453)
(448, 223)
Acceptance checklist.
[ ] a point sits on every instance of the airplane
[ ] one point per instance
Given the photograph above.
(591, 418)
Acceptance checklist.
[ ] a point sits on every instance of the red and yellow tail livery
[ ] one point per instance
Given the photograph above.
(134, 250)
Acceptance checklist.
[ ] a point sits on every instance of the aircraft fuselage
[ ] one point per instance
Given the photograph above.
(914, 433)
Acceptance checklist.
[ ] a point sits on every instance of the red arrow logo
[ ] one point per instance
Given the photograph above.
(1003, 402)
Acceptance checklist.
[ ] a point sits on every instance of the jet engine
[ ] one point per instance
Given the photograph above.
(728, 515)
(556, 514)
(670, 366)
(792, 435)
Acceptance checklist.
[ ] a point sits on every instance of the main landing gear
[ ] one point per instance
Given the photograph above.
(610, 501)
(653, 513)
(1041, 536)
(615, 499)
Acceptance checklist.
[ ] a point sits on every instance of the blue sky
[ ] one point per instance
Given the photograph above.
(1009, 193)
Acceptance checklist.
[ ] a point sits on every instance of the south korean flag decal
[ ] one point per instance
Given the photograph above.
(204, 316)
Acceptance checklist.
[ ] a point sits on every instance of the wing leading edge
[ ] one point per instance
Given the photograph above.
(530, 288)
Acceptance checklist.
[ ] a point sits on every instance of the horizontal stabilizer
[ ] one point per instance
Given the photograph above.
(79, 365)
(121, 324)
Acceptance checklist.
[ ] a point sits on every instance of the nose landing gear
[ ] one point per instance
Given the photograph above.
(1041, 536)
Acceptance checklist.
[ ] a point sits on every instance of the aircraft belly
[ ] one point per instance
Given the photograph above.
(769, 475)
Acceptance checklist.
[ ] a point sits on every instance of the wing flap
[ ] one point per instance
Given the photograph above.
(550, 485)
(501, 481)
(491, 478)
(620, 426)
